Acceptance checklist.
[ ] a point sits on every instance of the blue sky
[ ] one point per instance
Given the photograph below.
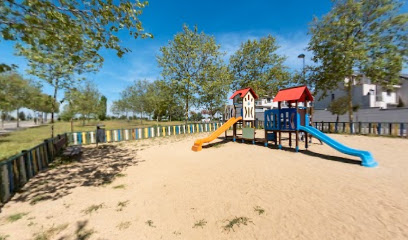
(230, 22)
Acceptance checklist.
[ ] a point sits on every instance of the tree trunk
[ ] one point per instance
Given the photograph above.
(18, 119)
(337, 119)
(2, 120)
(72, 124)
(141, 115)
(53, 107)
(350, 99)
(186, 117)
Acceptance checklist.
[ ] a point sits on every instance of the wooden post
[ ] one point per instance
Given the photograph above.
(297, 131)
(290, 139)
(280, 132)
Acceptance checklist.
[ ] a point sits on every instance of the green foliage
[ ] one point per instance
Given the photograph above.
(214, 87)
(186, 61)
(83, 100)
(86, 26)
(102, 107)
(339, 106)
(194, 116)
(257, 65)
(369, 36)
(67, 113)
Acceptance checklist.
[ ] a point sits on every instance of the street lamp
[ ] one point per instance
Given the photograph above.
(303, 68)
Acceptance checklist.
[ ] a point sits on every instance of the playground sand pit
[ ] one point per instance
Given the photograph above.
(160, 189)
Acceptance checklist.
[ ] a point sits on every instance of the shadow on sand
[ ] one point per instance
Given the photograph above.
(273, 146)
(97, 166)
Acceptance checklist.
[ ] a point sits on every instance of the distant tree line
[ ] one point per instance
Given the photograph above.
(17, 93)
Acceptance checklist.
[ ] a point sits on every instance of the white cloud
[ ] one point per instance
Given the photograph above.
(290, 45)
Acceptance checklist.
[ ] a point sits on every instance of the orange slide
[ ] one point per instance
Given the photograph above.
(199, 143)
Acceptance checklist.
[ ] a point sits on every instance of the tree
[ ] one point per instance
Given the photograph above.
(102, 108)
(120, 106)
(67, 113)
(214, 87)
(14, 93)
(157, 99)
(184, 60)
(196, 116)
(89, 23)
(84, 100)
(257, 65)
(369, 36)
(338, 107)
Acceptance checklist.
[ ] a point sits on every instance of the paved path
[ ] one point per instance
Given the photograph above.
(12, 126)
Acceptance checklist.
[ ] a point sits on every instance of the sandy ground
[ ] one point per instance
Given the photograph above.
(160, 189)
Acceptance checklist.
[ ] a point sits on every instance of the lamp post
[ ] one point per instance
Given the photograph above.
(303, 68)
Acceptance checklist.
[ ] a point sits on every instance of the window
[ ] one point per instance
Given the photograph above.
(268, 100)
(389, 92)
(332, 97)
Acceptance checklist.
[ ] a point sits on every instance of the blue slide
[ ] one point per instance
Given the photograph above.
(366, 157)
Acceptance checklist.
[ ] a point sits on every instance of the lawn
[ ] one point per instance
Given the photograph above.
(15, 142)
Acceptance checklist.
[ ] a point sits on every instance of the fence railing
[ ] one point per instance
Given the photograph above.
(117, 135)
(364, 128)
(17, 170)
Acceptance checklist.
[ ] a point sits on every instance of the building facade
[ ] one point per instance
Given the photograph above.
(368, 95)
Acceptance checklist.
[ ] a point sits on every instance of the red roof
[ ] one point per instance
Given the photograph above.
(243, 92)
(300, 94)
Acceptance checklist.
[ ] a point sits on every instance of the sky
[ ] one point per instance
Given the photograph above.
(231, 22)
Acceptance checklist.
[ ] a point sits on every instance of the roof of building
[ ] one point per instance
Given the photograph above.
(299, 93)
(243, 92)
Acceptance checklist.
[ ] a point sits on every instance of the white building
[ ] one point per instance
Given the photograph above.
(368, 95)
(265, 103)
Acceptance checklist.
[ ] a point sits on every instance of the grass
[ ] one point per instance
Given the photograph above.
(121, 186)
(15, 142)
(201, 223)
(237, 221)
(123, 225)
(15, 217)
(150, 223)
(48, 234)
(92, 208)
(38, 198)
(4, 237)
(122, 205)
(119, 175)
(259, 210)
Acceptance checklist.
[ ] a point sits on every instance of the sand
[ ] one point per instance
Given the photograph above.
(160, 189)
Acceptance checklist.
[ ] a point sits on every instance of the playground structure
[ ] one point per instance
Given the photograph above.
(292, 119)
